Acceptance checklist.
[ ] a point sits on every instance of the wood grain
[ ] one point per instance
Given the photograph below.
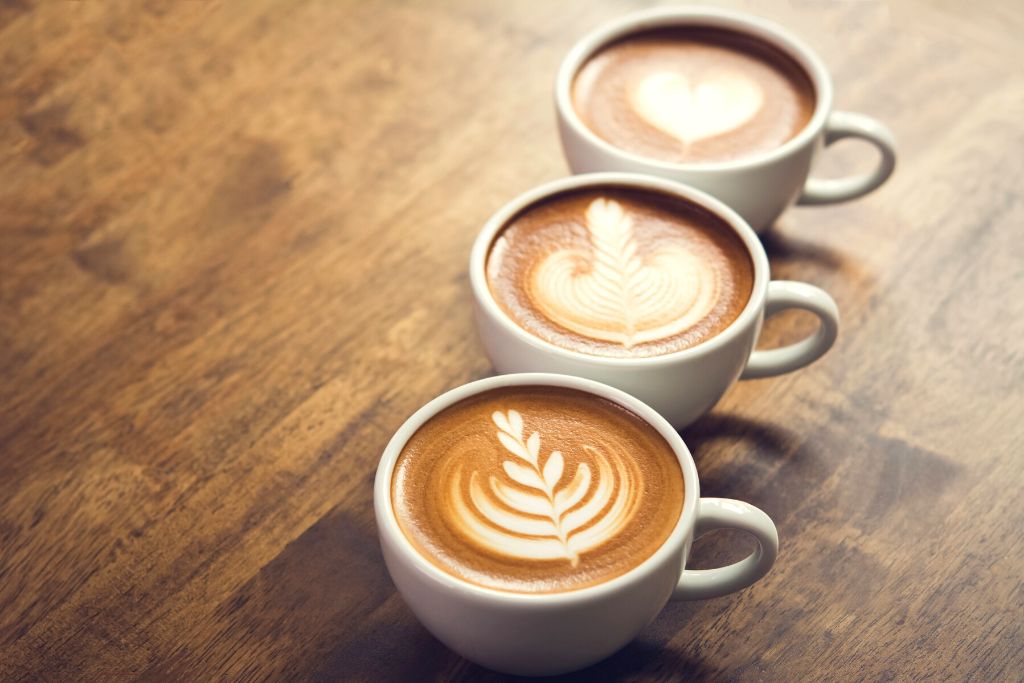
(233, 245)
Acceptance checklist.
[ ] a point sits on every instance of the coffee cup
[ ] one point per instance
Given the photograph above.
(534, 595)
(724, 101)
(535, 333)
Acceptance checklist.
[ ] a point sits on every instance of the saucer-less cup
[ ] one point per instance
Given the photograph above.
(682, 385)
(550, 633)
(759, 187)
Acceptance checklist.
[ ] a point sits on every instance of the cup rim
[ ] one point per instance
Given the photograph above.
(387, 522)
(748, 315)
(740, 22)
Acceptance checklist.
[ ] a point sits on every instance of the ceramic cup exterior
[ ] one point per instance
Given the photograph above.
(759, 187)
(550, 633)
(682, 385)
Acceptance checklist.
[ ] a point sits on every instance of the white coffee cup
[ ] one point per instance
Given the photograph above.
(759, 187)
(550, 633)
(682, 385)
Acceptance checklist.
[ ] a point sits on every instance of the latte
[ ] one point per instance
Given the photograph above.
(619, 272)
(537, 489)
(693, 95)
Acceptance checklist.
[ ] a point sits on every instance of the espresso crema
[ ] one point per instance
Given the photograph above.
(693, 95)
(537, 489)
(619, 272)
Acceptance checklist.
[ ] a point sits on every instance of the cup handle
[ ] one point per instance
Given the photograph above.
(785, 294)
(724, 513)
(843, 124)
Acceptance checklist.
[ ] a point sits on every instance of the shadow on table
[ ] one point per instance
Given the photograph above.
(761, 463)
(769, 439)
(786, 249)
(794, 258)
(638, 659)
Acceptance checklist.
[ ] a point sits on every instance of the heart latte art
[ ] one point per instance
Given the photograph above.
(617, 273)
(693, 95)
(691, 111)
(536, 489)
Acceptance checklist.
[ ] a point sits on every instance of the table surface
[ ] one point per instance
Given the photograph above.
(233, 248)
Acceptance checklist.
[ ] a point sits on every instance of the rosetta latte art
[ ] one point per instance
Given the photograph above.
(616, 294)
(538, 510)
(690, 111)
(536, 489)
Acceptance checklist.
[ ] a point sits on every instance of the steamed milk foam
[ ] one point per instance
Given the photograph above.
(693, 95)
(537, 489)
(619, 272)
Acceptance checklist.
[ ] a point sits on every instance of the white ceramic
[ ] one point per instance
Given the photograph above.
(759, 187)
(682, 385)
(550, 633)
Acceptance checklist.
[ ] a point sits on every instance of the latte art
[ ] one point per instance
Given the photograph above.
(548, 520)
(693, 111)
(611, 272)
(615, 294)
(536, 489)
(692, 95)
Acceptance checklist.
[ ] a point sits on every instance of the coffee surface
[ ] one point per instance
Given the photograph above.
(537, 489)
(692, 95)
(620, 272)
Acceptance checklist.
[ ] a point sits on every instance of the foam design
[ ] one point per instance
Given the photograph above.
(693, 110)
(533, 508)
(615, 294)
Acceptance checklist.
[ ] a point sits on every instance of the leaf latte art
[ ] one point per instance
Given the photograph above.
(616, 294)
(545, 516)
(619, 272)
(536, 489)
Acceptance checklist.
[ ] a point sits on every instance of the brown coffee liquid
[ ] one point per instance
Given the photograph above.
(537, 490)
(693, 94)
(620, 272)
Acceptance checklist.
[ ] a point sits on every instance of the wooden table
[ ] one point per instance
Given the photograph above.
(233, 247)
